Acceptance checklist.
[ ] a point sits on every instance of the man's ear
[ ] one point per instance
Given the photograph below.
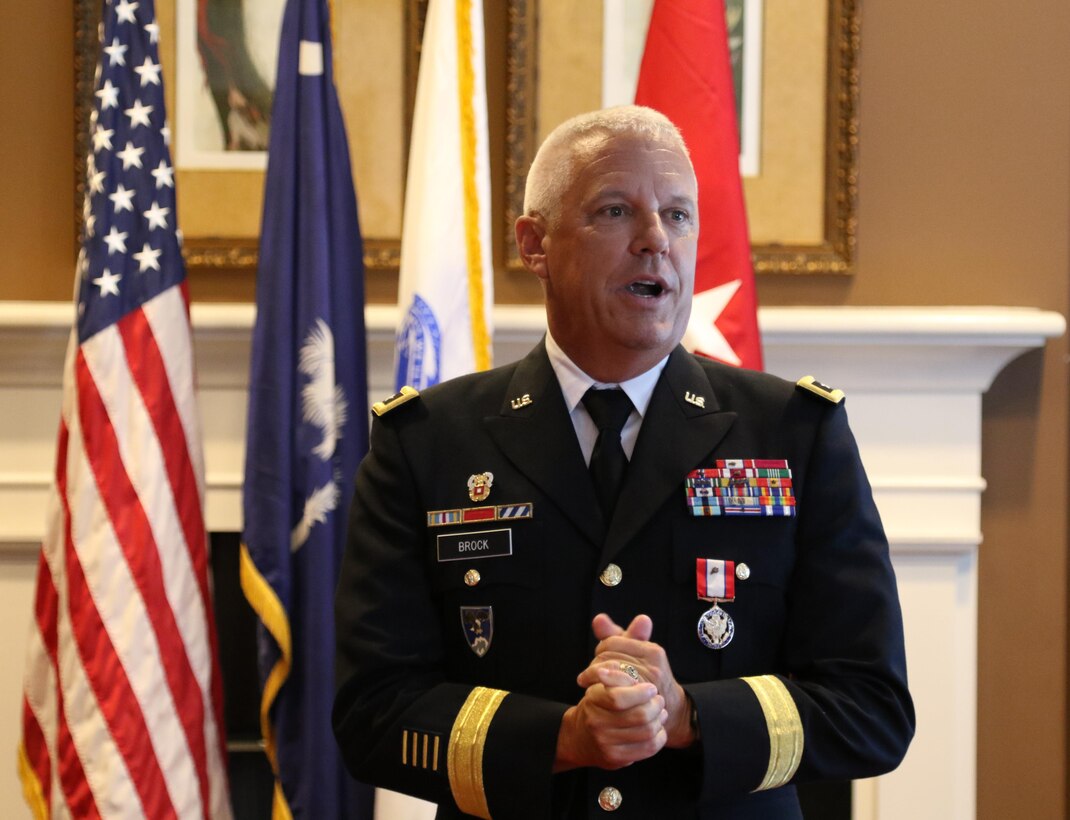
(530, 233)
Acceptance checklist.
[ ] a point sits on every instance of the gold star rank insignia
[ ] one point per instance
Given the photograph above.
(381, 408)
(812, 385)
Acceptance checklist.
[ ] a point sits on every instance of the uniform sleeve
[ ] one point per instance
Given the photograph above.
(399, 722)
(837, 706)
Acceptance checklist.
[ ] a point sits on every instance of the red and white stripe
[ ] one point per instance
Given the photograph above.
(122, 713)
(715, 580)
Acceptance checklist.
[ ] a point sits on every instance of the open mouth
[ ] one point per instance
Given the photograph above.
(645, 289)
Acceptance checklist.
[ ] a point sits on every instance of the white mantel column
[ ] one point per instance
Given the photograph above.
(914, 380)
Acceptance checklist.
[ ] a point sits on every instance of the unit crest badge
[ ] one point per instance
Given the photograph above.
(479, 486)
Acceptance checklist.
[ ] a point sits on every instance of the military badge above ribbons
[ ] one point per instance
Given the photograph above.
(715, 581)
(741, 486)
(479, 486)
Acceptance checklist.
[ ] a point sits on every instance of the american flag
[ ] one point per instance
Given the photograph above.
(122, 707)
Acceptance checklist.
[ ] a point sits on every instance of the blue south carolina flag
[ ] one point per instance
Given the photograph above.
(307, 424)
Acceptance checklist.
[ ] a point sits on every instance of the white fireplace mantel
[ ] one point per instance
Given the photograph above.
(914, 379)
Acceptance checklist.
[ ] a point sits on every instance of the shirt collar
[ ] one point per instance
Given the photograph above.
(574, 382)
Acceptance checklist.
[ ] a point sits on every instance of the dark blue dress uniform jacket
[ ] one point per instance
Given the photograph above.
(819, 611)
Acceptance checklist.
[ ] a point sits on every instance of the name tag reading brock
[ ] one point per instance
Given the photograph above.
(463, 546)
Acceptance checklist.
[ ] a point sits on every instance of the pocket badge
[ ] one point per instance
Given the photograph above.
(478, 625)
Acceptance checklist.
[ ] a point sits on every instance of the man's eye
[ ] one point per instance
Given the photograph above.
(614, 210)
(678, 215)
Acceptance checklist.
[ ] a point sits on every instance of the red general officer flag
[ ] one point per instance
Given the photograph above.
(686, 74)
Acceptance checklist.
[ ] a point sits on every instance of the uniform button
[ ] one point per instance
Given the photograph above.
(609, 799)
(611, 575)
(742, 571)
(472, 577)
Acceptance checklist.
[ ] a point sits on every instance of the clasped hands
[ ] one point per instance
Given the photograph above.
(620, 719)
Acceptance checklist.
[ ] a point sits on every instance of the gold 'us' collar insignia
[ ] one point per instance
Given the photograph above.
(381, 408)
(691, 398)
(520, 401)
(812, 385)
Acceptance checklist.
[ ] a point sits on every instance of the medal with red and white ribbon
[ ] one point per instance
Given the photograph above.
(715, 581)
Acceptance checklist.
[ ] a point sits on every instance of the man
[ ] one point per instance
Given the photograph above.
(520, 639)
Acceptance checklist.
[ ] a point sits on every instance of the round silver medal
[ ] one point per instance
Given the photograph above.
(715, 628)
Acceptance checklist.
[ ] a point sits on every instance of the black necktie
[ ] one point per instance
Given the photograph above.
(609, 409)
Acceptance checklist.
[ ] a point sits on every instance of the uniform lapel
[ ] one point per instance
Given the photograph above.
(682, 426)
(534, 431)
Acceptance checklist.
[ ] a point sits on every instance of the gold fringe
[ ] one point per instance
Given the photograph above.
(269, 609)
(473, 246)
(280, 809)
(32, 788)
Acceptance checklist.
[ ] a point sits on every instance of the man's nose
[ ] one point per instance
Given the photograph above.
(651, 236)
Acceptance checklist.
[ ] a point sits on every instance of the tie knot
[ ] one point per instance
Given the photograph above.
(609, 409)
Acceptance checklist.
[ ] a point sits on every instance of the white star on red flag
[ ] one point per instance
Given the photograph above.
(702, 334)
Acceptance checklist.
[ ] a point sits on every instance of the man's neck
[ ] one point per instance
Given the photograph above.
(606, 369)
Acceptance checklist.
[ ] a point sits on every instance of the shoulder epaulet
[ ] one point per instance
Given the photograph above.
(809, 383)
(381, 408)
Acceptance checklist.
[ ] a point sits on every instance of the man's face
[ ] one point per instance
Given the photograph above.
(618, 267)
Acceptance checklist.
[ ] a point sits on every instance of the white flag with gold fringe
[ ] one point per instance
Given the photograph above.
(446, 288)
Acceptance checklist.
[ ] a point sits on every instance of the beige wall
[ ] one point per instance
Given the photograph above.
(964, 199)
(37, 142)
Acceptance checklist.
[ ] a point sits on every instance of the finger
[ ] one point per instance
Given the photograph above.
(604, 627)
(630, 670)
(603, 718)
(619, 697)
(621, 647)
(634, 668)
(643, 653)
(620, 673)
(641, 628)
(621, 734)
(623, 752)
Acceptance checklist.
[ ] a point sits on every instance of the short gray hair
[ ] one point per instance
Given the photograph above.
(554, 168)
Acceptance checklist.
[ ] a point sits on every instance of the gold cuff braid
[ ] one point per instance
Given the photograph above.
(464, 760)
(785, 729)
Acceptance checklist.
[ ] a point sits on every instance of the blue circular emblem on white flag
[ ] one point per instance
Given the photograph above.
(419, 347)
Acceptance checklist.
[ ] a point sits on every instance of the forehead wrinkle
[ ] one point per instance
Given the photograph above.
(629, 168)
(609, 194)
(682, 199)
(611, 165)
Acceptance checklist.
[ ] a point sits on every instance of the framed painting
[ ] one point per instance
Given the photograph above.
(800, 100)
(220, 187)
(225, 62)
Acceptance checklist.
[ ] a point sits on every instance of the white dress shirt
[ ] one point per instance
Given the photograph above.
(574, 383)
